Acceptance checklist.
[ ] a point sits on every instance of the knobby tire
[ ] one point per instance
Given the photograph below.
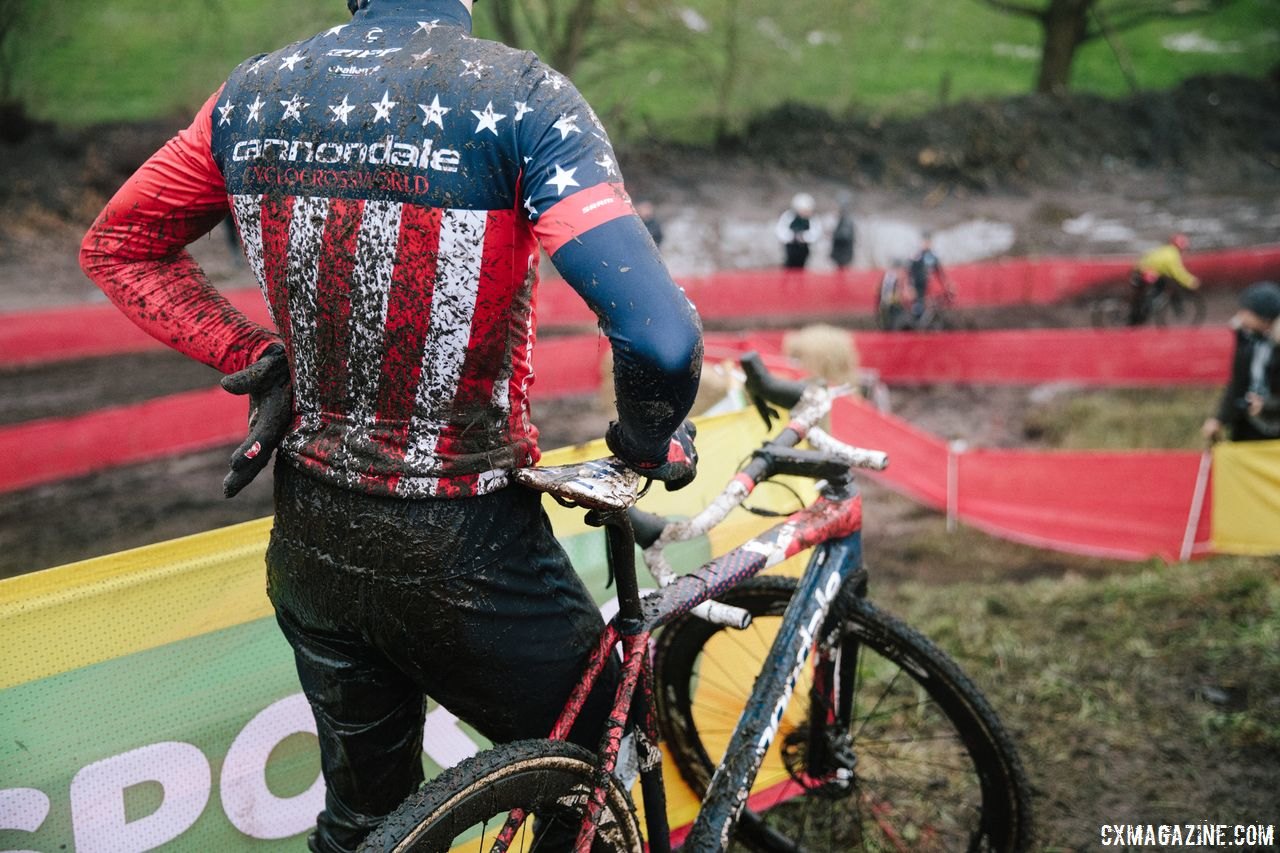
(551, 780)
(934, 768)
(1184, 308)
(1109, 312)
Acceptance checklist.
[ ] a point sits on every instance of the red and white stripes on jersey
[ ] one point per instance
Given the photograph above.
(409, 330)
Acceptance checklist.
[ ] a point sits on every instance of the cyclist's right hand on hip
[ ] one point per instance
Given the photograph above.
(676, 470)
(270, 392)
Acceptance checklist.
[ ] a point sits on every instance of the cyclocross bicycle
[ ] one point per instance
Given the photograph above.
(1164, 303)
(894, 313)
(805, 717)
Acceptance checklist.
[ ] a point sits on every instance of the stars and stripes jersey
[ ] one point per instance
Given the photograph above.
(391, 180)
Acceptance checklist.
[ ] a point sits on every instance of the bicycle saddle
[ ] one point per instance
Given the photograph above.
(603, 484)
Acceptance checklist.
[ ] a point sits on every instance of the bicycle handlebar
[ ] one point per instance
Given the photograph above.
(808, 404)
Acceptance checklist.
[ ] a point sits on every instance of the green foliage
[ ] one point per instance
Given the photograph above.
(661, 68)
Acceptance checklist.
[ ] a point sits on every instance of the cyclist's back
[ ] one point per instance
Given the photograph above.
(1165, 262)
(392, 179)
(436, 157)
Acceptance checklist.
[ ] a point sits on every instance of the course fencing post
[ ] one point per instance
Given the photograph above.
(1197, 505)
(954, 448)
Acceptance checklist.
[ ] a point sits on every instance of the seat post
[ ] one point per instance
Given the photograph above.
(621, 550)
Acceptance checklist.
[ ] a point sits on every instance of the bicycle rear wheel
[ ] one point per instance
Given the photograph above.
(467, 805)
(1109, 312)
(932, 767)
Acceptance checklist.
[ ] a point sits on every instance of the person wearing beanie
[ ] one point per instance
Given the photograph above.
(1250, 407)
(797, 230)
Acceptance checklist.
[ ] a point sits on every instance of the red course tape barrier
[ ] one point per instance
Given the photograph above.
(1122, 505)
(35, 337)
(1141, 357)
(61, 448)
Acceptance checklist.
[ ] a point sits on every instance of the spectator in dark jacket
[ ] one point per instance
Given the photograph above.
(842, 239)
(1250, 408)
(797, 231)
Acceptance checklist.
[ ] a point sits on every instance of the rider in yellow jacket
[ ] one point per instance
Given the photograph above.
(1159, 269)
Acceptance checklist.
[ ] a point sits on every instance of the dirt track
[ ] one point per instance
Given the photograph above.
(718, 210)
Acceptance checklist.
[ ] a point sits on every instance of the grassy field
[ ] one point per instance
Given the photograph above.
(1150, 696)
(1123, 419)
(137, 59)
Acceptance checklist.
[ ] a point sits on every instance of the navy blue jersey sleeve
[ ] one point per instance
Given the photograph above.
(562, 146)
(573, 193)
(653, 328)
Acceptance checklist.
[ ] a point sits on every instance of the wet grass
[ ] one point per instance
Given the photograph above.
(1151, 696)
(135, 59)
(1122, 419)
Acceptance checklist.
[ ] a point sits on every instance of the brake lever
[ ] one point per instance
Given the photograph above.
(766, 413)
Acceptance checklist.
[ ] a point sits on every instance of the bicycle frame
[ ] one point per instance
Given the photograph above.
(832, 526)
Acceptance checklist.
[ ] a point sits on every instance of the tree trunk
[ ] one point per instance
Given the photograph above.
(1066, 25)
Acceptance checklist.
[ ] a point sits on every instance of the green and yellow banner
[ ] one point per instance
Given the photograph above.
(1246, 497)
(147, 698)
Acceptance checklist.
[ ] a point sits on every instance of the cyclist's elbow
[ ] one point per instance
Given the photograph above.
(676, 352)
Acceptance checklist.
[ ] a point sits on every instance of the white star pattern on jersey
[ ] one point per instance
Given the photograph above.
(225, 111)
(565, 124)
(293, 108)
(521, 109)
(475, 69)
(433, 113)
(255, 109)
(563, 179)
(383, 108)
(292, 60)
(488, 120)
(341, 111)
(333, 31)
(426, 26)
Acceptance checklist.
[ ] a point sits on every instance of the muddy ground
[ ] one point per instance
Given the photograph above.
(1023, 177)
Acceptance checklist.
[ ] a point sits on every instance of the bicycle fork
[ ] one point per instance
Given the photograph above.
(805, 622)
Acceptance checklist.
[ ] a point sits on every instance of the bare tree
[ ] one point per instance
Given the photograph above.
(559, 30)
(1067, 25)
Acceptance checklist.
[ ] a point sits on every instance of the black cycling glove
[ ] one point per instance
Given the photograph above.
(677, 469)
(266, 381)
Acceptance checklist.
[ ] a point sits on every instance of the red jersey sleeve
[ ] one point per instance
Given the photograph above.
(136, 253)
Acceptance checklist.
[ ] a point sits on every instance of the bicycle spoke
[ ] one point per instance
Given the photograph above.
(887, 689)
(909, 780)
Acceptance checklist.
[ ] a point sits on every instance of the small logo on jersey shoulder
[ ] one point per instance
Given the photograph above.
(351, 53)
(353, 70)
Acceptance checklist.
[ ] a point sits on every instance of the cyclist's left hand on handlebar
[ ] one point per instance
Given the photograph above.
(676, 470)
(270, 392)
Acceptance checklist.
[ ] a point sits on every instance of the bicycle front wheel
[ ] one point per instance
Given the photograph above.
(467, 806)
(929, 766)
(1179, 307)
